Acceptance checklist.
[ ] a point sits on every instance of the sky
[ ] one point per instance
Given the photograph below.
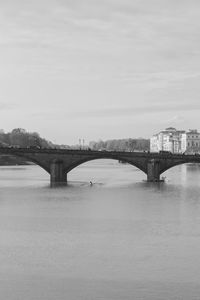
(99, 69)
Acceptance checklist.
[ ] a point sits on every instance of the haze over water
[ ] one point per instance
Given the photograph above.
(121, 238)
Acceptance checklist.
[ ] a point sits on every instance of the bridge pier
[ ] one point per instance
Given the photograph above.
(153, 170)
(57, 173)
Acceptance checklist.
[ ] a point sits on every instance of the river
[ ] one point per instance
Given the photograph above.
(121, 238)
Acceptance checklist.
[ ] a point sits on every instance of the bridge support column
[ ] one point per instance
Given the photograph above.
(153, 170)
(58, 176)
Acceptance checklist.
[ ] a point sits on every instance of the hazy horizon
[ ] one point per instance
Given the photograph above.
(99, 69)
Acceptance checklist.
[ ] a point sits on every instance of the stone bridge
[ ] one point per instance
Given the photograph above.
(59, 162)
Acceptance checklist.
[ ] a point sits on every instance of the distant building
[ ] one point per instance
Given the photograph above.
(154, 143)
(169, 139)
(190, 141)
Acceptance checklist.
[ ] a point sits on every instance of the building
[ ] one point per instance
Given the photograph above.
(190, 141)
(169, 139)
(154, 144)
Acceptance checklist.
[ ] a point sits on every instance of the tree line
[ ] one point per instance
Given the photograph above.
(19, 137)
(139, 144)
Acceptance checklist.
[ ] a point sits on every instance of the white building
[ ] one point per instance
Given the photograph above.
(167, 140)
(190, 141)
(154, 145)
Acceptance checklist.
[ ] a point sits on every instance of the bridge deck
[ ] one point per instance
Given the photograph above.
(13, 150)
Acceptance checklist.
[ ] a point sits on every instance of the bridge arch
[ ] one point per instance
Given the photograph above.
(31, 159)
(168, 166)
(85, 160)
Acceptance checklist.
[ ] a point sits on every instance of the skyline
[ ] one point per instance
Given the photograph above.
(99, 69)
(83, 142)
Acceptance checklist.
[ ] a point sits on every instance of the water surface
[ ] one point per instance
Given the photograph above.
(121, 238)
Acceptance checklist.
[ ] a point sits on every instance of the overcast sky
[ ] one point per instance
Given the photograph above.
(94, 69)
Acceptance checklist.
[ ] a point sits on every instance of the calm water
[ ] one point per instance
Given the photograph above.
(119, 239)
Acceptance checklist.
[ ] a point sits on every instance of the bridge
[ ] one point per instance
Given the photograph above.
(59, 162)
